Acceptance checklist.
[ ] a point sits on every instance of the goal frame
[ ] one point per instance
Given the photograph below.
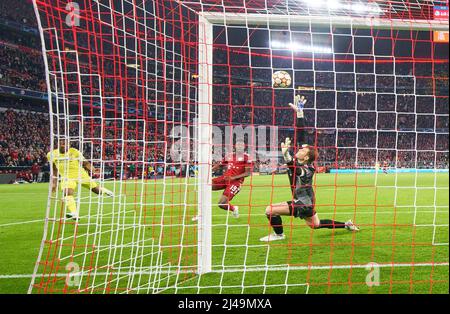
(278, 19)
(204, 144)
(205, 89)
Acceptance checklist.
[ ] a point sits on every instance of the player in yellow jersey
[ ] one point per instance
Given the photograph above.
(71, 167)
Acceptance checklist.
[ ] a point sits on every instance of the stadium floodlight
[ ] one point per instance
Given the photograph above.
(374, 8)
(314, 4)
(362, 9)
(359, 8)
(296, 46)
(333, 4)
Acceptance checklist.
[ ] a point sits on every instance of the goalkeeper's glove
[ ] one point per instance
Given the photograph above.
(298, 105)
(285, 149)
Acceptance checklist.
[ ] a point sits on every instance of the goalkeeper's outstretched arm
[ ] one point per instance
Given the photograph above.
(289, 160)
(300, 132)
(299, 138)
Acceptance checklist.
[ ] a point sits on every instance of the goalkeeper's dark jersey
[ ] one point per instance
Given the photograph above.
(302, 190)
(301, 176)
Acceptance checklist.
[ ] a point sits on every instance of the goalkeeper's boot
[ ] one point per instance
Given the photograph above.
(72, 216)
(273, 237)
(107, 192)
(235, 212)
(350, 226)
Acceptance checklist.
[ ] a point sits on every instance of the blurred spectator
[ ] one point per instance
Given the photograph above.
(35, 171)
(21, 68)
(18, 12)
(24, 138)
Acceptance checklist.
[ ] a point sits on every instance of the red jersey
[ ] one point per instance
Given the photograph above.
(236, 165)
(35, 169)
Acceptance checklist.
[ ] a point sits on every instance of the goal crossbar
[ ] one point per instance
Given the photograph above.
(342, 21)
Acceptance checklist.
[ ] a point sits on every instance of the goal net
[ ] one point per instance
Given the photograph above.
(154, 93)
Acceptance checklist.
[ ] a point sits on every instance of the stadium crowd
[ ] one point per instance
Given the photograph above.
(21, 68)
(24, 138)
(23, 14)
(27, 146)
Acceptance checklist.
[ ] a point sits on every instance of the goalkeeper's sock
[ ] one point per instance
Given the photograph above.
(277, 224)
(69, 201)
(331, 224)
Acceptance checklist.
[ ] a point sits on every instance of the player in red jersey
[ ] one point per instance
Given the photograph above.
(238, 167)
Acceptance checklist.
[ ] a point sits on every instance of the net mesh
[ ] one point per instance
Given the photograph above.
(124, 88)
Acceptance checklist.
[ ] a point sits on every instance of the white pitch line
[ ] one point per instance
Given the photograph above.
(22, 222)
(247, 269)
(253, 215)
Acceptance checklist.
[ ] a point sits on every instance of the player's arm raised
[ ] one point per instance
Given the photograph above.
(300, 131)
(299, 138)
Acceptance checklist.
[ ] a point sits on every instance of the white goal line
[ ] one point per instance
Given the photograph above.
(225, 215)
(245, 269)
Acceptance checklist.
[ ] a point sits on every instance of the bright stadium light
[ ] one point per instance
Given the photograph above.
(374, 8)
(313, 3)
(295, 46)
(359, 8)
(333, 4)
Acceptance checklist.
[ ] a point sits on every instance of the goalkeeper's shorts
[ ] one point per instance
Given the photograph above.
(301, 209)
(85, 179)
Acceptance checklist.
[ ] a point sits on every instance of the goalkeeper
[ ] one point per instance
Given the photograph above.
(301, 172)
(71, 167)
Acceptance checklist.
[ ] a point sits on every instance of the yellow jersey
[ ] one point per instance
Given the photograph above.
(69, 164)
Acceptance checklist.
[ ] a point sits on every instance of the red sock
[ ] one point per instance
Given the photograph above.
(230, 207)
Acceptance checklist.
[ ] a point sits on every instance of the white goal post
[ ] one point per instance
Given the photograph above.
(204, 142)
(205, 52)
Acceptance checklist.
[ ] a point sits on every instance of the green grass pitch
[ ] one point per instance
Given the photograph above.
(403, 217)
